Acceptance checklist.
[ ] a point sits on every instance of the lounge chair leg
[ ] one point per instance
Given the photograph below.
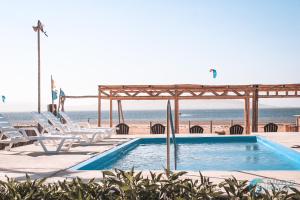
(93, 138)
(8, 148)
(60, 145)
(43, 146)
(70, 145)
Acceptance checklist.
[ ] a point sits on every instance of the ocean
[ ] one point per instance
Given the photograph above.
(277, 115)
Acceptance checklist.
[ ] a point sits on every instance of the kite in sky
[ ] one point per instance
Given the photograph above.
(214, 71)
(3, 98)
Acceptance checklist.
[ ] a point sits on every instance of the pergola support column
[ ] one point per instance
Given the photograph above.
(247, 115)
(255, 110)
(99, 108)
(176, 106)
(110, 112)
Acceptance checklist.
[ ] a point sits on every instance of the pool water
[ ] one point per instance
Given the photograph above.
(200, 153)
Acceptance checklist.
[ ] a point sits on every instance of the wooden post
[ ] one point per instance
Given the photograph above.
(59, 99)
(63, 104)
(120, 112)
(110, 112)
(168, 140)
(211, 126)
(176, 102)
(255, 109)
(247, 115)
(189, 124)
(99, 107)
(297, 123)
(150, 127)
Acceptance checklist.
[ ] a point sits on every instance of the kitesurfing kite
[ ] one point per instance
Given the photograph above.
(214, 71)
(3, 98)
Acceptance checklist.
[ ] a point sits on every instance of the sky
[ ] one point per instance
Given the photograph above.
(94, 43)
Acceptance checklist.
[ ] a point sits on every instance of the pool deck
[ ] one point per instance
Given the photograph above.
(33, 161)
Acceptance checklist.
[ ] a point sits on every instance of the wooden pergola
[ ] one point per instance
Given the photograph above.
(248, 93)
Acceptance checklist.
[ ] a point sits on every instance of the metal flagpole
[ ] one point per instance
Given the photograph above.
(39, 69)
(37, 29)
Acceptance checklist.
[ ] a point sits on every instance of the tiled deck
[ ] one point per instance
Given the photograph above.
(32, 160)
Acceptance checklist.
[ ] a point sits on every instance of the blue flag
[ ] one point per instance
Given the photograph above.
(61, 93)
(54, 94)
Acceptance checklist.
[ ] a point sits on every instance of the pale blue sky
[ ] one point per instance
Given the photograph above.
(146, 42)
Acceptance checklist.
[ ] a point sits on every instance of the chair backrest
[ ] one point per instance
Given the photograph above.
(122, 128)
(67, 120)
(196, 129)
(271, 127)
(158, 129)
(236, 130)
(66, 117)
(54, 120)
(43, 122)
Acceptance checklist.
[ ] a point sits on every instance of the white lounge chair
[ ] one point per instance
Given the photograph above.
(107, 132)
(71, 124)
(14, 136)
(86, 137)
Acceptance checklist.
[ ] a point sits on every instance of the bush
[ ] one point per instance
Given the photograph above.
(131, 185)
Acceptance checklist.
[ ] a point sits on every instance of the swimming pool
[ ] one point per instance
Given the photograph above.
(220, 153)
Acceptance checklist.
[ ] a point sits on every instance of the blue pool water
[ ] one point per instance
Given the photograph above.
(198, 153)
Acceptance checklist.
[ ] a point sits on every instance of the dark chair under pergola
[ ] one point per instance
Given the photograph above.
(158, 129)
(271, 127)
(196, 129)
(122, 129)
(236, 130)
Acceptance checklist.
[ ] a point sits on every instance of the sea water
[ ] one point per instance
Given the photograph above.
(283, 115)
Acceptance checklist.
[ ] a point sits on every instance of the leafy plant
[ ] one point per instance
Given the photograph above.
(127, 185)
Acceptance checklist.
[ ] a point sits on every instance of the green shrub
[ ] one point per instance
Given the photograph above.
(131, 185)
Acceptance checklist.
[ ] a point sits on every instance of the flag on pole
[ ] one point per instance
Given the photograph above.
(53, 90)
(40, 27)
(54, 94)
(61, 93)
